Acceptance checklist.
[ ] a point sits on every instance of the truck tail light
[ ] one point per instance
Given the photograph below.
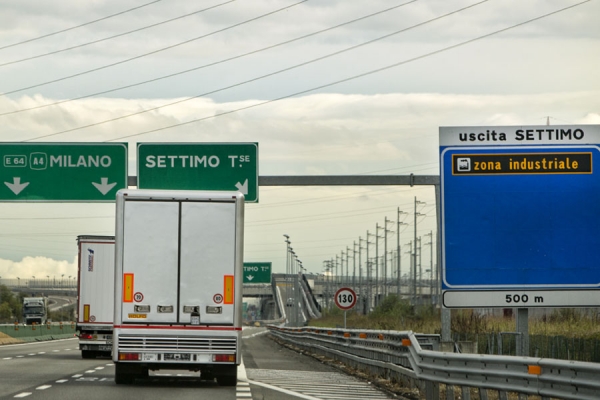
(223, 357)
(86, 336)
(129, 357)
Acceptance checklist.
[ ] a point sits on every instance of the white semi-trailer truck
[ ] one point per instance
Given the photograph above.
(95, 294)
(178, 283)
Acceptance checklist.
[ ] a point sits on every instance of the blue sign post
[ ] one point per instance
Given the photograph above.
(520, 216)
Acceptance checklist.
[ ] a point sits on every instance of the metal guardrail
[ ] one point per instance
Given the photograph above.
(415, 361)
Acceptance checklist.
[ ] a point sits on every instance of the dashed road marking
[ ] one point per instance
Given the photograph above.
(43, 387)
(315, 385)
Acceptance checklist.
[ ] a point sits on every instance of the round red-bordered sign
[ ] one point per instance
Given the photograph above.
(218, 298)
(138, 297)
(345, 298)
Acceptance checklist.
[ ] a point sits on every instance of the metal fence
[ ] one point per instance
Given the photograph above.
(415, 361)
(28, 333)
(544, 346)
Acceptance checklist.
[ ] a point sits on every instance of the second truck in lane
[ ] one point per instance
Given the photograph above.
(95, 294)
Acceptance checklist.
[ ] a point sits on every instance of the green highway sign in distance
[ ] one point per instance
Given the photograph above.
(62, 171)
(199, 166)
(257, 272)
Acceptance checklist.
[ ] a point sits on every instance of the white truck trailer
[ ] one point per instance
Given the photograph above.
(95, 294)
(178, 283)
(35, 310)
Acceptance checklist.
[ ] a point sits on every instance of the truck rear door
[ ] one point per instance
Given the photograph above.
(178, 262)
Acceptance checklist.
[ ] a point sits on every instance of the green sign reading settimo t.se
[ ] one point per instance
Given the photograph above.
(257, 272)
(62, 171)
(199, 166)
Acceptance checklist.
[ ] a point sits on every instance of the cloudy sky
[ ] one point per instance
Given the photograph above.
(325, 88)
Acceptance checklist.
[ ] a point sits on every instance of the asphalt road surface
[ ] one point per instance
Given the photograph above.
(55, 370)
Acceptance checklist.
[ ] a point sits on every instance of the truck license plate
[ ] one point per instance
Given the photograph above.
(177, 357)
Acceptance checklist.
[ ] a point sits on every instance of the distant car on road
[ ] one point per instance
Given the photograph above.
(289, 302)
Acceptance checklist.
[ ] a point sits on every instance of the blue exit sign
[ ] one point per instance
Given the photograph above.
(520, 216)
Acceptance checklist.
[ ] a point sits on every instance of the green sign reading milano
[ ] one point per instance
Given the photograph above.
(65, 172)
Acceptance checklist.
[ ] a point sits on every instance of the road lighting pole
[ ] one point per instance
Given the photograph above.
(342, 267)
(288, 251)
(297, 291)
(369, 294)
(354, 265)
(430, 243)
(376, 264)
(398, 252)
(416, 214)
(347, 266)
(360, 282)
(385, 269)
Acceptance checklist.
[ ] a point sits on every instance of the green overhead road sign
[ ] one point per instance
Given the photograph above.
(257, 272)
(66, 172)
(199, 166)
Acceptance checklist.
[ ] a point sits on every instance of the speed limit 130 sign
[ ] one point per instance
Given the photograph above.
(345, 298)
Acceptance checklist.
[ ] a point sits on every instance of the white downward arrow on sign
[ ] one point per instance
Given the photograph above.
(242, 187)
(104, 187)
(250, 277)
(16, 187)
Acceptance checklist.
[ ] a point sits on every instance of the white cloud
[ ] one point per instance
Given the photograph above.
(40, 267)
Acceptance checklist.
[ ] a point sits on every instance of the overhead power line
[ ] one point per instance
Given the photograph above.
(371, 72)
(153, 52)
(77, 26)
(213, 63)
(263, 76)
(114, 36)
(261, 103)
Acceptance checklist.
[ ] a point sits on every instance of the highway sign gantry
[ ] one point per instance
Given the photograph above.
(520, 216)
(199, 166)
(257, 272)
(38, 172)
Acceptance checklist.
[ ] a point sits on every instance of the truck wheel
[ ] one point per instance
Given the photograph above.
(88, 354)
(123, 375)
(229, 379)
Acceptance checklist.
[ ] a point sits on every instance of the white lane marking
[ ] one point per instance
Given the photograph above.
(241, 372)
(77, 376)
(20, 356)
(7, 358)
(288, 392)
(89, 371)
(99, 368)
(31, 354)
(254, 335)
(24, 394)
(43, 387)
(62, 381)
(42, 352)
(55, 351)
